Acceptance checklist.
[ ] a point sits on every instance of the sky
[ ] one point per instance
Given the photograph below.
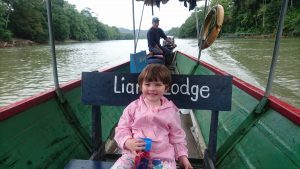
(119, 13)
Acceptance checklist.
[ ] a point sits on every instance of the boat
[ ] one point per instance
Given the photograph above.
(55, 129)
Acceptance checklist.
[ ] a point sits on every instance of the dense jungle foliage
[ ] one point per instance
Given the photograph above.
(257, 17)
(27, 19)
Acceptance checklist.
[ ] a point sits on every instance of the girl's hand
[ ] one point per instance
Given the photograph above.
(184, 162)
(135, 145)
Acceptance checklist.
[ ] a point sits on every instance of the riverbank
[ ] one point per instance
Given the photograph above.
(17, 42)
(247, 35)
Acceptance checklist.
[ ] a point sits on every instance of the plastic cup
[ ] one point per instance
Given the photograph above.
(148, 145)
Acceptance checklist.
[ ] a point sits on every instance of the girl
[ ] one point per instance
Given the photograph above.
(152, 116)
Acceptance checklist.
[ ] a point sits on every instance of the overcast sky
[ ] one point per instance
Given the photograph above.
(119, 13)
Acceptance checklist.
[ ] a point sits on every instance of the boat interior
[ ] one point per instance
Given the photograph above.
(259, 124)
(106, 153)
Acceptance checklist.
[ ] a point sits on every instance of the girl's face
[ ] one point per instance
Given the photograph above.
(153, 91)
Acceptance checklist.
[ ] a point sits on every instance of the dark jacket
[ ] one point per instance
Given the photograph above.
(154, 35)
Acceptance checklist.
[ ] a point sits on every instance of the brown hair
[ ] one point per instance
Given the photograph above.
(155, 72)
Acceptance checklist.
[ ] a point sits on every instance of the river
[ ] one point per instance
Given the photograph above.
(26, 71)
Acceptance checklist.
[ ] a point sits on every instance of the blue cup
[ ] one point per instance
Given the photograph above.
(148, 145)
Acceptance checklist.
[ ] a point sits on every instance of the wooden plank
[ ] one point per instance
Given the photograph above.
(186, 124)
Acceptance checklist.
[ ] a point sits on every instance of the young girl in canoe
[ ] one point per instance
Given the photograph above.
(152, 116)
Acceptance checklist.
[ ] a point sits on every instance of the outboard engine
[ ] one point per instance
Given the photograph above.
(167, 44)
(169, 58)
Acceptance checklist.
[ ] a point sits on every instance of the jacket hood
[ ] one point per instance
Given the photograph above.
(165, 103)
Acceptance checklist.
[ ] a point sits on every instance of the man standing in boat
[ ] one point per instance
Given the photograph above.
(153, 36)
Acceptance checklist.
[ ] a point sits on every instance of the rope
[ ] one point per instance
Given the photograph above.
(58, 90)
(138, 35)
(197, 23)
(276, 46)
(133, 21)
(200, 41)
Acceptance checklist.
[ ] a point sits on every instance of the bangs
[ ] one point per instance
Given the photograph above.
(152, 77)
(155, 73)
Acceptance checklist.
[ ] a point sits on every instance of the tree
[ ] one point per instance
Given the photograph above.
(28, 20)
(101, 33)
(174, 32)
(113, 33)
(78, 28)
(5, 34)
(188, 29)
(61, 26)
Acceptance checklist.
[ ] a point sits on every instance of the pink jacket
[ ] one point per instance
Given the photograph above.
(163, 126)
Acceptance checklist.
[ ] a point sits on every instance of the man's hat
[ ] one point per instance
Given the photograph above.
(155, 19)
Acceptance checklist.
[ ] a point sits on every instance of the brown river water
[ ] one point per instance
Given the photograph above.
(26, 71)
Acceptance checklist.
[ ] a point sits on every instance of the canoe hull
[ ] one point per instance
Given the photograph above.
(246, 139)
(41, 132)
